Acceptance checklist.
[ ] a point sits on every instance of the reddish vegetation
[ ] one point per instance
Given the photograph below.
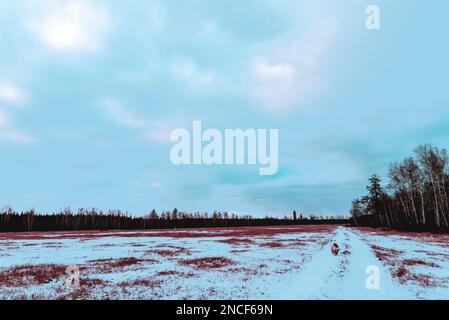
(237, 241)
(169, 253)
(404, 275)
(136, 244)
(287, 261)
(238, 251)
(417, 262)
(295, 243)
(91, 282)
(272, 244)
(392, 256)
(151, 283)
(244, 270)
(178, 233)
(247, 272)
(107, 265)
(124, 262)
(424, 280)
(163, 253)
(385, 254)
(434, 254)
(176, 273)
(276, 243)
(25, 275)
(208, 263)
(400, 272)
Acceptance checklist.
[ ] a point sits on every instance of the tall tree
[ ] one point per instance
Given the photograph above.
(356, 210)
(374, 192)
(434, 164)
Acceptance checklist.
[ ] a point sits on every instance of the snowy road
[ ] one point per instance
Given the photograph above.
(343, 276)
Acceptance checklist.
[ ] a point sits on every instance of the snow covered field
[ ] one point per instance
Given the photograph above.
(289, 262)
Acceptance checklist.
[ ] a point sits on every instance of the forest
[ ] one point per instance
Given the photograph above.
(94, 219)
(415, 197)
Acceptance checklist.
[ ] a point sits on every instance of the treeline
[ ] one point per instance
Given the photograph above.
(94, 219)
(416, 196)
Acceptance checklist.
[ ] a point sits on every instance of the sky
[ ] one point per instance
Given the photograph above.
(90, 91)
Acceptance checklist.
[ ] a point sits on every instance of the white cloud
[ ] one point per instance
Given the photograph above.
(11, 93)
(276, 86)
(192, 75)
(152, 130)
(71, 25)
(290, 70)
(121, 115)
(8, 130)
(10, 133)
(275, 72)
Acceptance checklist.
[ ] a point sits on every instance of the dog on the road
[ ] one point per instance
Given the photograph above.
(335, 249)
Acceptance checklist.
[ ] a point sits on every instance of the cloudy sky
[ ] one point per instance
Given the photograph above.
(90, 90)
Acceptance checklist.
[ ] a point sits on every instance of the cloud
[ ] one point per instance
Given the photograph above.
(277, 85)
(290, 70)
(152, 130)
(192, 75)
(11, 93)
(10, 133)
(121, 115)
(73, 25)
(8, 130)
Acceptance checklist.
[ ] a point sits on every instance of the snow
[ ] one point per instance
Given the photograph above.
(244, 263)
(342, 276)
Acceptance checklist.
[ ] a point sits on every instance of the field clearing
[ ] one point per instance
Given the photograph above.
(286, 262)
